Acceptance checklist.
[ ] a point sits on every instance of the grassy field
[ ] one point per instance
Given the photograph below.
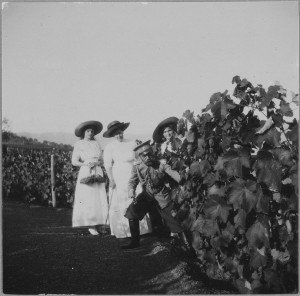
(43, 254)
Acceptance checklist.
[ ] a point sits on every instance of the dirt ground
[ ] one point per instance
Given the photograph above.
(43, 254)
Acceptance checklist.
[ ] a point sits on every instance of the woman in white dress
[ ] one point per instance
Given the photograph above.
(118, 162)
(90, 204)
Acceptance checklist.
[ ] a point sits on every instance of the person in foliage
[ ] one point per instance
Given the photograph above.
(118, 161)
(90, 203)
(152, 175)
(165, 135)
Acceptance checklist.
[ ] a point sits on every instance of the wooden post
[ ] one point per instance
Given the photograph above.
(53, 181)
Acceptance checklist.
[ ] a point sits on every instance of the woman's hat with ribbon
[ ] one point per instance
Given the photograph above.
(158, 132)
(115, 126)
(95, 125)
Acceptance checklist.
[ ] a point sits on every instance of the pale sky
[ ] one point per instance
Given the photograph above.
(64, 63)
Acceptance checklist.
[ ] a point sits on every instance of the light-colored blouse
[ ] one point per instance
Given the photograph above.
(86, 151)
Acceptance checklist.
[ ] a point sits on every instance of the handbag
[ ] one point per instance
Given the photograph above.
(93, 178)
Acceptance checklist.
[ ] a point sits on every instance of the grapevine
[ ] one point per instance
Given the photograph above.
(240, 199)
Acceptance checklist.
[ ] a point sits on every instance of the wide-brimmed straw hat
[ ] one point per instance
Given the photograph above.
(95, 125)
(114, 126)
(158, 132)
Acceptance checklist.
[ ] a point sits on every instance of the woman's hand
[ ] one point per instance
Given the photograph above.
(92, 164)
(112, 183)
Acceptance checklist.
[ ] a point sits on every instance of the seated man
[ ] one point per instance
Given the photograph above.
(156, 196)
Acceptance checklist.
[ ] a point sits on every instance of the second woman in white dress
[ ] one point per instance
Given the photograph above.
(118, 162)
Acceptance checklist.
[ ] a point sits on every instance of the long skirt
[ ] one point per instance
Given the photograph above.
(119, 202)
(90, 204)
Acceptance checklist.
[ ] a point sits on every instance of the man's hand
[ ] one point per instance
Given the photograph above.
(131, 194)
(163, 161)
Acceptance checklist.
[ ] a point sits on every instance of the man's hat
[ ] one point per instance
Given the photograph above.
(114, 126)
(95, 125)
(158, 132)
(145, 146)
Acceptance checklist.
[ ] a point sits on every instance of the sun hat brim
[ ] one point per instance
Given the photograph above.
(158, 132)
(96, 125)
(119, 126)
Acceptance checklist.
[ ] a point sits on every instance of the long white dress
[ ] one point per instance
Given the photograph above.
(120, 156)
(90, 203)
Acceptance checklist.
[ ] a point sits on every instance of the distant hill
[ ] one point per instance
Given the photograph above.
(71, 139)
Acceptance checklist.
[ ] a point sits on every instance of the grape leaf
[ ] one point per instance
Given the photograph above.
(245, 83)
(196, 240)
(292, 134)
(225, 142)
(286, 109)
(293, 173)
(268, 171)
(236, 79)
(257, 235)
(293, 202)
(205, 167)
(231, 265)
(228, 232)
(247, 130)
(262, 201)
(216, 189)
(220, 164)
(201, 146)
(243, 195)
(240, 218)
(234, 160)
(241, 286)
(210, 256)
(271, 137)
(216, 97)
(257, 259)
(272, 93)
(215, 206)
(283, 233)
(199, 169)
(240, 154)
(277, 119)
(210, 179)
(207, 227)
(267, 125)
(189, 116)
(220, 109)
(284, 257)
(181, 127)
(205, 117)
(284, 156)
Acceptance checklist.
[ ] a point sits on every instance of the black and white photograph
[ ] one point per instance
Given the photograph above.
(150, 147)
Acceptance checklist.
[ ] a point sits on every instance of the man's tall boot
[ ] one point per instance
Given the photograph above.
(134, 226)
(158, 228)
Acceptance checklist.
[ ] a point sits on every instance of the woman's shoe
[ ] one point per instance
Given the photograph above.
(93, 231)
(102, 230)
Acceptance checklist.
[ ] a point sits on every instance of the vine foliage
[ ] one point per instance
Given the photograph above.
(240, 199)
